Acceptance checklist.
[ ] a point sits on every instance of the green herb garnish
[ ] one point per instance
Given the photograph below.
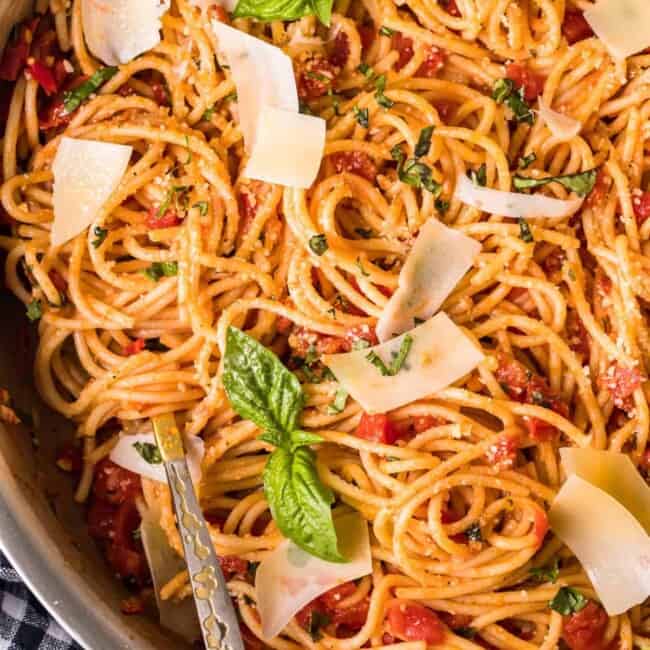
(202, 206)
(318, 244)
(361, 116)
(72, 99)
(424, 142)
(386, 31)
(269, 10)
(546, 573)
(479, 177)
(100, 235)
(473, 533)
(398, 358)
(568, 601)
(34, 310)
(526, 161)
(159, 269)
(581, 183)
(524, 230)
(149, 452)
(382, 100)
(338, 404)
(504, 92)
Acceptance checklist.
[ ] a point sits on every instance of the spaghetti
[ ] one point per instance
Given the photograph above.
(455, 487)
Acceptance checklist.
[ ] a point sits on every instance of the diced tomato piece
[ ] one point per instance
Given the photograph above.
(531, 82)
(377, 428)
(251, 195)
(303, 617)
(44, 76)
(231, 565)
(599, 190)
(340, 50)
(333, 597)
(621, 382)
(58, 280)
(641, 205)
(127, 563)
(502, 453)
(540, 526)
(101, 520)
(354, 616)
(404, 46)
(425, 422)
(219, 13)
(585, 630)
(69, 458)
(388, 639)
(455, 621)
(414, 622)
(361, 333)
(554, 261)
(355, 162)
(433, 63)
(577, 336)
(154, 221)
(451, 8)
(134, 347)
(367, 34)
(160, 94)
(16, 53)
(444, 108)
(575, 28)
(512, 376)
(316, 77)
(539, 429)
(114, 484)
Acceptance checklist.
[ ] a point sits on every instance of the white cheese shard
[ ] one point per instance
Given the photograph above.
(86, 172)
(11, 13)
(622, 25)
(440, 354)
(204, 5)
(513, 204)
(611, 545)
(438, 260)
(563, 127)
(284, 146)
(126, 454)
(116, 31)
(288, 148)
(289, 577)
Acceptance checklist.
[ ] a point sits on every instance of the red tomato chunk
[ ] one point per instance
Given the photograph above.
(585, 629)
(413, 622)
(531, 82)
(355, 162)
(575, 28)
(377, 428)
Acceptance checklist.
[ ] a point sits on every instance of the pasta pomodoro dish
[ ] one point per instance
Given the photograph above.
(386, 262)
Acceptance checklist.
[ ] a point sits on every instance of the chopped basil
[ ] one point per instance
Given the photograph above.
(34, 310)
(382, 100)
(189, 151)
(338, 404)
(231, 97)
(317, 620)
(424, 142)
(100, 235)
(546, 573)
(159, 269)
(465, 632)
(318, 244)
(365, 233)
(172, 195)
(154, 345)
(318, 76)
(441, 205)
(360, 267)
(581, 183)
(262, 390)
(398, 358)
(473, 533)
(360, 344)
(303, 107)
(209, 112)
(149, 452)
(386, 31)
(251, 570)
(365, 70)
(524, 230)
(526, 161)
(361, 116)
(414, 173)
(72, 99)
(202, 206)
(568, 601)
(269, 10)
(479, 177)
(504, 92)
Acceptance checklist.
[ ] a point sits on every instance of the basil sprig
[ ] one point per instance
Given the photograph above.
(504, 92)
(262, 390)
(268, 10)
(568, 601)
(149, 452)
(72, 99)
(581, 183)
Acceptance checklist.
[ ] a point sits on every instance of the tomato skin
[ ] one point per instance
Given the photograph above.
(502, 453)
(352, 618)
(641, 205)
(600, 189)
(340, 50)
(114, 484)
(16, 53)
(355, 162)
(231, 565)
(433, 62)
(377, 428)
(575, 28)
(531, 82)
(134, 347)
(404, 46)
(315, 78)
(414, 622)
(44, 76)
(540, 526)
(367, 34)
(621, 382)
(154, 221)
(585, 629)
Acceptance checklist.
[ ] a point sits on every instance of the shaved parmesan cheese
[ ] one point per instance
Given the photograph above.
(299, 138)
(622, 25)
(117, 31)
(614, 473)
(178, 616)
(285, 147)
(440, 354)
(560, 125)
(86, 172)
(289, 577)
(125, 454)
(11, 13)
(438, 260)
(610, 543)
(513, 204)
(204, 5)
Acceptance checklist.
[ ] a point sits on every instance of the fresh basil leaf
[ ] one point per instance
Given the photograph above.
(362, 117)
(100, 236)
(386, 31)
(259, 387)
(526, 161)
(34, 310)
(479, 177)
(338, 404)
(424, 142)
(202, 206)
(149, 452)
(304, 439)
(546, 573)
(269, 10)
(504, 92)
(473, 533)
(568, 601)
(208, 113)
(524, 231)
(418, 175)
(159, 269)
(72, 99)
(380, 98)
(300, 504)
(581, 183)
(318, 244)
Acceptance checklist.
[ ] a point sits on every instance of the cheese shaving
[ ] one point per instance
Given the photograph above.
(562, 126)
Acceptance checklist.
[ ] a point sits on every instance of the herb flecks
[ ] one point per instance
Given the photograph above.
(505, 92)
(149, 452)
(72, 99)
(398, 358)
(581, 183)
(318, 244)
(568, 601)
